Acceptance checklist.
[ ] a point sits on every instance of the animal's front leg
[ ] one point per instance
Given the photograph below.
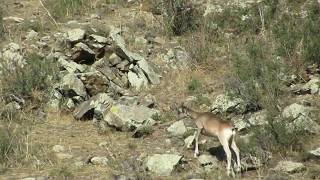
(196, 151)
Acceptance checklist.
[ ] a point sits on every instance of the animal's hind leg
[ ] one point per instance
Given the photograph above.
(196, 151)
(224, 140)
(237, 152)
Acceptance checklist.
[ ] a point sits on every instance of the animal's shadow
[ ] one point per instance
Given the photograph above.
(219, 153)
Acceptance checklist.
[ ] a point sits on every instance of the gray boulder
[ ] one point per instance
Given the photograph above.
(315, 152)
(99, 104)
(31, 35)
(99, 39)
(312, 85)
(149, 72)
(75, 35)
(255, 119)
(162, 164)
(188, 141)
(71, 86)
(300, 117)
(71, 66)
(84, 47)
(177, 57)
(97, 160)
(12, 57)
(114, 59)
(137, 79)
(121, 49)
(224, 103)
(112, 74)
(208, 161)
(177, 129)
(290, 167)
(129, 117)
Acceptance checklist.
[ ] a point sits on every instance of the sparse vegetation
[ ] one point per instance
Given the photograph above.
(143, 131)
(245, 49)
(32, 25)
(179, 17)
(61, 9)
(164, 117)
(1, 21)
(194, 86)
(61, 172)
(15, 147)
(258, 69)
(30, 81)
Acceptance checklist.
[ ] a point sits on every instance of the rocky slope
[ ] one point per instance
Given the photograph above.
(110, 115)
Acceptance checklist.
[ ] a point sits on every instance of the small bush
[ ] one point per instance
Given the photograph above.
(179, 17)
(165, 117)
(34, 25)
(194, 86)
(297, 35)
(5, 145)
(256, 78)
(255, 75)
(61, 9)
(277, 137)
(61, 172)
(143, 131)
(30, 81)
(14, 126)
(311, 34)
(202, 100)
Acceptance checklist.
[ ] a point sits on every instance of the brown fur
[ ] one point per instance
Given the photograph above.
(210, 124)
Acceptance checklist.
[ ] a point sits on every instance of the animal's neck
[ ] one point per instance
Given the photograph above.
(193, 114)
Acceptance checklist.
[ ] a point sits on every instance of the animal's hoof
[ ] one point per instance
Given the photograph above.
(230, 173)
(238, 168)
(196, 155)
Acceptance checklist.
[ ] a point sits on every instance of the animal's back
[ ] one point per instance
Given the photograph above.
(213, 124)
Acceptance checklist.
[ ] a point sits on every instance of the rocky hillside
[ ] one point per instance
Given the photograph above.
(90, 89)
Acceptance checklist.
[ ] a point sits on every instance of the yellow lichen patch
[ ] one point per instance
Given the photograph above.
(114, 109)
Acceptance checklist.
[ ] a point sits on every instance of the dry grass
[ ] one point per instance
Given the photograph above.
(174, 86)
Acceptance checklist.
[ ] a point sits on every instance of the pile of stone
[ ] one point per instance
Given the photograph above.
(96, 75)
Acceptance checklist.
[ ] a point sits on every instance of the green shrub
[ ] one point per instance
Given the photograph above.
(194, 86)
(34, 25)
(235, 19)
(60, 9)
(164, 117)
(33, 79)
(255, 75)
(311, 34)
(5, 145)
(277, 137)
(297, 35)
(256, 78)
(179, 17)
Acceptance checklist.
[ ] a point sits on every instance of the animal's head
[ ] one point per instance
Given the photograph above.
(182, 111)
